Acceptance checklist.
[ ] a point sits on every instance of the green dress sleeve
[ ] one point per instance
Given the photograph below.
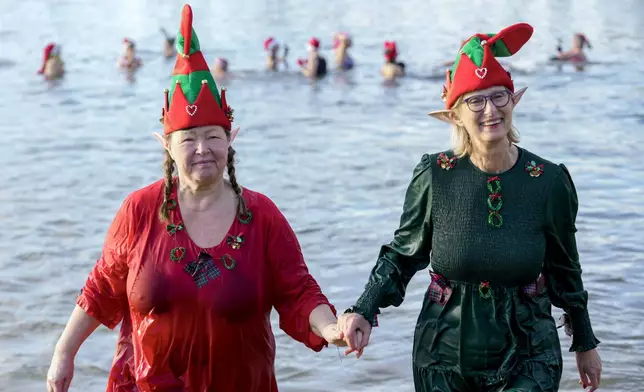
(408, 253)
(562, 268)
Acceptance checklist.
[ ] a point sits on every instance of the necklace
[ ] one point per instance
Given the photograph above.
(204, 268)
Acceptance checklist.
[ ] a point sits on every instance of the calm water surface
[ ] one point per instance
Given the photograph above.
(335, 156)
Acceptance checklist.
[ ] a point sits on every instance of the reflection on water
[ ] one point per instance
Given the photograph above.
(335, 156)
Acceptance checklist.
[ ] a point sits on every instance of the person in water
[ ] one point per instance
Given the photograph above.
(129, 60)
(576, 53)
(193, 264)
(392, 68)
(273, 59)
(315, 66)
(52, 66)
(341, 44)
(169, 51)
(497, 224)
(220, 68)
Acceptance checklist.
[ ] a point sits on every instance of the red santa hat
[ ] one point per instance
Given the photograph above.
(476, 66)
(313, 43)
(50, 50)
(391, 51)
(270, 43)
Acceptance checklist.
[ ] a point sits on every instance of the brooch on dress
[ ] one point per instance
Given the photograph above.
(445, 162)
(534, 169)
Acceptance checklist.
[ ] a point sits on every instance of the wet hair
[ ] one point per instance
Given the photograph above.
(169, 169)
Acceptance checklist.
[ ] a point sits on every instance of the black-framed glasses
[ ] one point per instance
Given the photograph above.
(476, 103)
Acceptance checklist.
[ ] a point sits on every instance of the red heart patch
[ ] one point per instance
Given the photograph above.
(481, 72)
(191, 109)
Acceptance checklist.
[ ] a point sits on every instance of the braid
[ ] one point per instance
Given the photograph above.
(168, 166)
(230, 165)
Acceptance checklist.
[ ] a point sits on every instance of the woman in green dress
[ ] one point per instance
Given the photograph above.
(498, 223)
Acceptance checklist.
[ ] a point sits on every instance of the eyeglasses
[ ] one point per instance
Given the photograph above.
(476, 103)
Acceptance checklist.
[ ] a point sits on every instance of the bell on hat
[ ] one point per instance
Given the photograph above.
(193, 99)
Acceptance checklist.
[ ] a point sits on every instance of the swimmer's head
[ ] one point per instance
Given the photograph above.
(51, 50)
(580, 40)
(313, 45)
(129, 45)
(271, 45)
(221, 64)
(342, 39)
(391, 51)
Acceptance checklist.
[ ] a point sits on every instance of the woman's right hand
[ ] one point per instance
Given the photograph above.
(60, 374)
(356, 332)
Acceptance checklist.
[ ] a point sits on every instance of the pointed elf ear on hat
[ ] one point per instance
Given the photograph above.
(476, 66)
(193, 98)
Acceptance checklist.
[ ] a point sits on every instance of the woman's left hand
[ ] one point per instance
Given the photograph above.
(333, 335)
(590, 369)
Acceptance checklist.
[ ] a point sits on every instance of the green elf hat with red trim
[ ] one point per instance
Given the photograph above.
(193, 99)
(476, 66)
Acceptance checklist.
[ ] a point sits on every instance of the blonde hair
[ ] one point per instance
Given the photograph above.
(461, 142)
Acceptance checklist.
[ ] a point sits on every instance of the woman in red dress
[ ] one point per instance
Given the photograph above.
(193, 264)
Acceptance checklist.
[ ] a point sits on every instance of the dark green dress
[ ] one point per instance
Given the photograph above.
(502, 250)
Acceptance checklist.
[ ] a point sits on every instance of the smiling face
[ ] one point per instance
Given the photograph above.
(200, 153)
(485, 114)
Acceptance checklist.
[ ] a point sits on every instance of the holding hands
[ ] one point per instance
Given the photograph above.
(356, 331)
(350, 330)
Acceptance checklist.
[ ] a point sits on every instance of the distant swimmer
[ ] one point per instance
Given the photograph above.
(392, 68)
(273, 60)
(341, 44)
(315, 66)
(220, 68)
(169, 50)
(576, 53)
(129, 60)
(53, 66)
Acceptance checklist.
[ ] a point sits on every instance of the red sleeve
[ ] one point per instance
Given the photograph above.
(295, 291)
(104, 295)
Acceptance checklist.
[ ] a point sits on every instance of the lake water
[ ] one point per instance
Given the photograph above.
(335, 156)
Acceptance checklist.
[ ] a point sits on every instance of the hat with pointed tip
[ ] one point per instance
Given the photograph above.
(476, 66)
(50, 50)
(193, 98)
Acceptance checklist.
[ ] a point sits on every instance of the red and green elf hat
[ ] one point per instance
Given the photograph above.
(476, 66)
(193, 98)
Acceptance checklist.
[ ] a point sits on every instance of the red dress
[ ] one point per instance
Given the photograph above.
(199, 320)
